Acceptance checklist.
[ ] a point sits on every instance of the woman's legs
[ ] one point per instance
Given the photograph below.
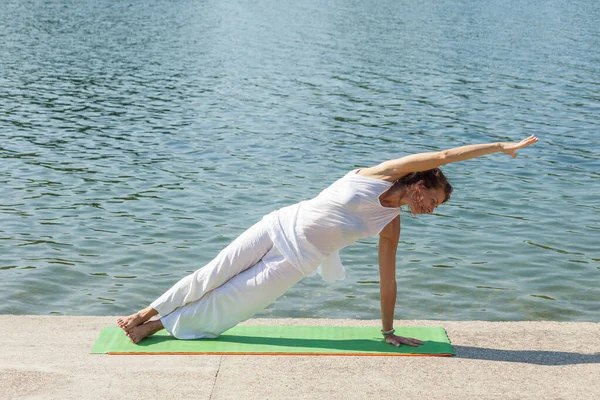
(237, 300)
(243, 252)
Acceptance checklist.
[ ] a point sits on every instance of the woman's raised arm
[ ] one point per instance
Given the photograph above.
(392, 170)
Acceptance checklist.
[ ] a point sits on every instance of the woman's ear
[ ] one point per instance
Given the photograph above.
(416, 191)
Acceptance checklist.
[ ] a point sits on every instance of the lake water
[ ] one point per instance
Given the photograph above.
(139, 138)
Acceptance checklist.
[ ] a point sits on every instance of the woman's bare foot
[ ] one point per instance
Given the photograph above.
(138, 333)
(140, 317)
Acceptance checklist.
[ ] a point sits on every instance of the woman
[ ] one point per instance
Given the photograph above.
(288, 244)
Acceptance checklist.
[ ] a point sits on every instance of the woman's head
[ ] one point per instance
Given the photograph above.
(426, 190)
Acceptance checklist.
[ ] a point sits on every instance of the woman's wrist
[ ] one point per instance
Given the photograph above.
(388, 332)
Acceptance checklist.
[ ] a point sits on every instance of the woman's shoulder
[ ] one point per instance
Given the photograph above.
(374, 173)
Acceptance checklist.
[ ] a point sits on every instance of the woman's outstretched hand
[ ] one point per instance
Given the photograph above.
(511, 148)
(399, 340)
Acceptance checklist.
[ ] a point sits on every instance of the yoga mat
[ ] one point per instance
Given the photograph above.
(282, 340)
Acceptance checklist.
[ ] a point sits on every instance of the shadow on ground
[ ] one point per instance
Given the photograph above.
(539, 357)
(258, 344)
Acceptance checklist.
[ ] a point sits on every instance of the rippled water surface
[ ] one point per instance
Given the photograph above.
(139, 138)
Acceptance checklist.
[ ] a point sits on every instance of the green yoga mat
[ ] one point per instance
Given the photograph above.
(282, 340)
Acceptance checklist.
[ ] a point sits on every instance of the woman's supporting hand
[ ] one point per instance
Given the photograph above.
(399, 340)
(511, 148)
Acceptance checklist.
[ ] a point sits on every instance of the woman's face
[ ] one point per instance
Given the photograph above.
(424, 201)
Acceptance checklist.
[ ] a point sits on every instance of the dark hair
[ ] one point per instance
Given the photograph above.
(433, 178)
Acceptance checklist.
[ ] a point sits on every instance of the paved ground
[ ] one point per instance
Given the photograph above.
(44, 357)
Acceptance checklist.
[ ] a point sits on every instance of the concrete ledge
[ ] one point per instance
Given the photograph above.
(43, 357)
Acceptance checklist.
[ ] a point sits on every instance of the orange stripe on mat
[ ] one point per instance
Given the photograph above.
(184, 353)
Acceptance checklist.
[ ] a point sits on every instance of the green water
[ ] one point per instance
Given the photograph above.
(139, 138)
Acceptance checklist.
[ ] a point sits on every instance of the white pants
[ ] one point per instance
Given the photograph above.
(243, 279)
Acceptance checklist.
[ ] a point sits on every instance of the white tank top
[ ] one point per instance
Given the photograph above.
(313, 231)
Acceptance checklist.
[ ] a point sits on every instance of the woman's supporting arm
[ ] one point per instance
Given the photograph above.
(392, 170)
(388, 243)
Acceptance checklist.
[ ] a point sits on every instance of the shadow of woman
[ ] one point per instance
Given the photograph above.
(539, 357)
(254, 344)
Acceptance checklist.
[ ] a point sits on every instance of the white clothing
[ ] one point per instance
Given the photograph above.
(274, 254)
(239, 299)
(243, 279)
(244, 252)
(314, 231)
